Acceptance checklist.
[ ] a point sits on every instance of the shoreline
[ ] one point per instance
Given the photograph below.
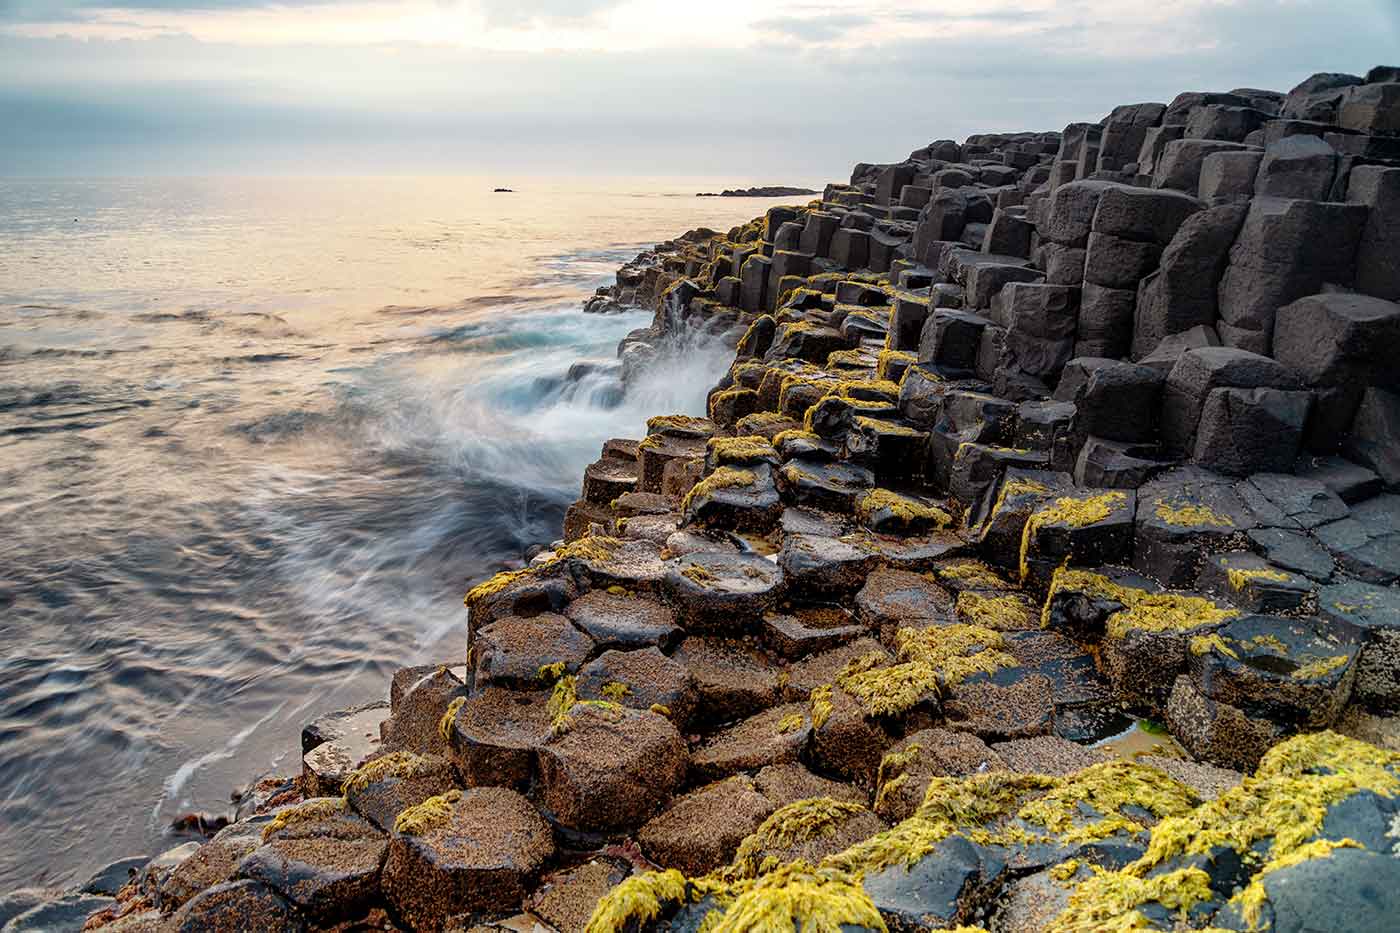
(1026, 439)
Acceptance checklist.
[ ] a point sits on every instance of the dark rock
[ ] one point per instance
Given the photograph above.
(1378, 256)
(733, 680)
(238, 905)
(643, 679)
(942, 889)
(699, 831)
(1244, 431)
(327, 865)
(1197, 373)
(610, 769)
(1373, 612)
(1182, 293)
(723, 591)
(494, 735)
(828, 486)
(472, 851)
(512, 652)
(1375, 440)
(1293, 550)
(1113, 399)
(614, 620)
(774, 736)
(1367, 543)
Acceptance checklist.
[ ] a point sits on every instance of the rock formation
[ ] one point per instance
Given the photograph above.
(1025, 439)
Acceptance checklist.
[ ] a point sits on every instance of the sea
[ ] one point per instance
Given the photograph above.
(257, 438)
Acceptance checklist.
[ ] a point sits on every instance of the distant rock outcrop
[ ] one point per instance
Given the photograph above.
(770, 191)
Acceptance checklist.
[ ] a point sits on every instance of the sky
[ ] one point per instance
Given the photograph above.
(760, 91)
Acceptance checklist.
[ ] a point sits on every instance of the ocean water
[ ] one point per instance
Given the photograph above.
(257, 437)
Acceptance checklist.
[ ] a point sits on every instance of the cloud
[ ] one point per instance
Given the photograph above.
(823, 28)
(515, 13)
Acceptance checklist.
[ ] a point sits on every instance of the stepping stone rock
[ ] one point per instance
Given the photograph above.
(940, 890)
(1293, 550)
(809, 629)
(895, 599)
(416, 723)
(610, 769)
(732, 497)
(1011, 704)
(385, 787)
(212, 863)
(465, 852)
(846, 742)
(354, 724)
(494, 734)
(809, 831)
(238, 905)
(1253, 584)
(616, 620)
(1089, 526)
(774, 736)
(1181, 519)
(907, 768)
(723, 592)
(821, 669)
(833, 487)
(1367, 544)
(788, 783)
(699, 831)
(566, 900)
(517, 653)
(817, 566)
(734, 680)
(644, 679)
(324, 858)
(1374, 614)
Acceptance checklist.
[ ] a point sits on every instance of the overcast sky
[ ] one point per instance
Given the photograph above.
(756, 90)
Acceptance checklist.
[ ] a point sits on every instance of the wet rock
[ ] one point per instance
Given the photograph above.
(546, 589)
(942, 889)
(1373, 612)
(623, 620)
(907, 768)
(494, 734)
(327, 864)
(699, 831)
(1182, 518)
(1257, 679)
(1087, 527)
(744, 499)
(642, 679)
(808, 629)
(657, 451)
(210, 864)
(1253, 584)
(894, 599)
(1001, 520)
(469, 851)
(1367, 543)
(387, 786)
(816, 565)
(610, 769)
(733, 679)
(775, 736)
(112, 877)
(1086, 707)
(237, 905)
(1293, 550)
(1307, 896)
(20, 901)
(354, 725)
(827, 486)
(513, 652)
(724, 592)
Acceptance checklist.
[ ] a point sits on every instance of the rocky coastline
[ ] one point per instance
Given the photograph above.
(1033, 569)
(762, 191)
